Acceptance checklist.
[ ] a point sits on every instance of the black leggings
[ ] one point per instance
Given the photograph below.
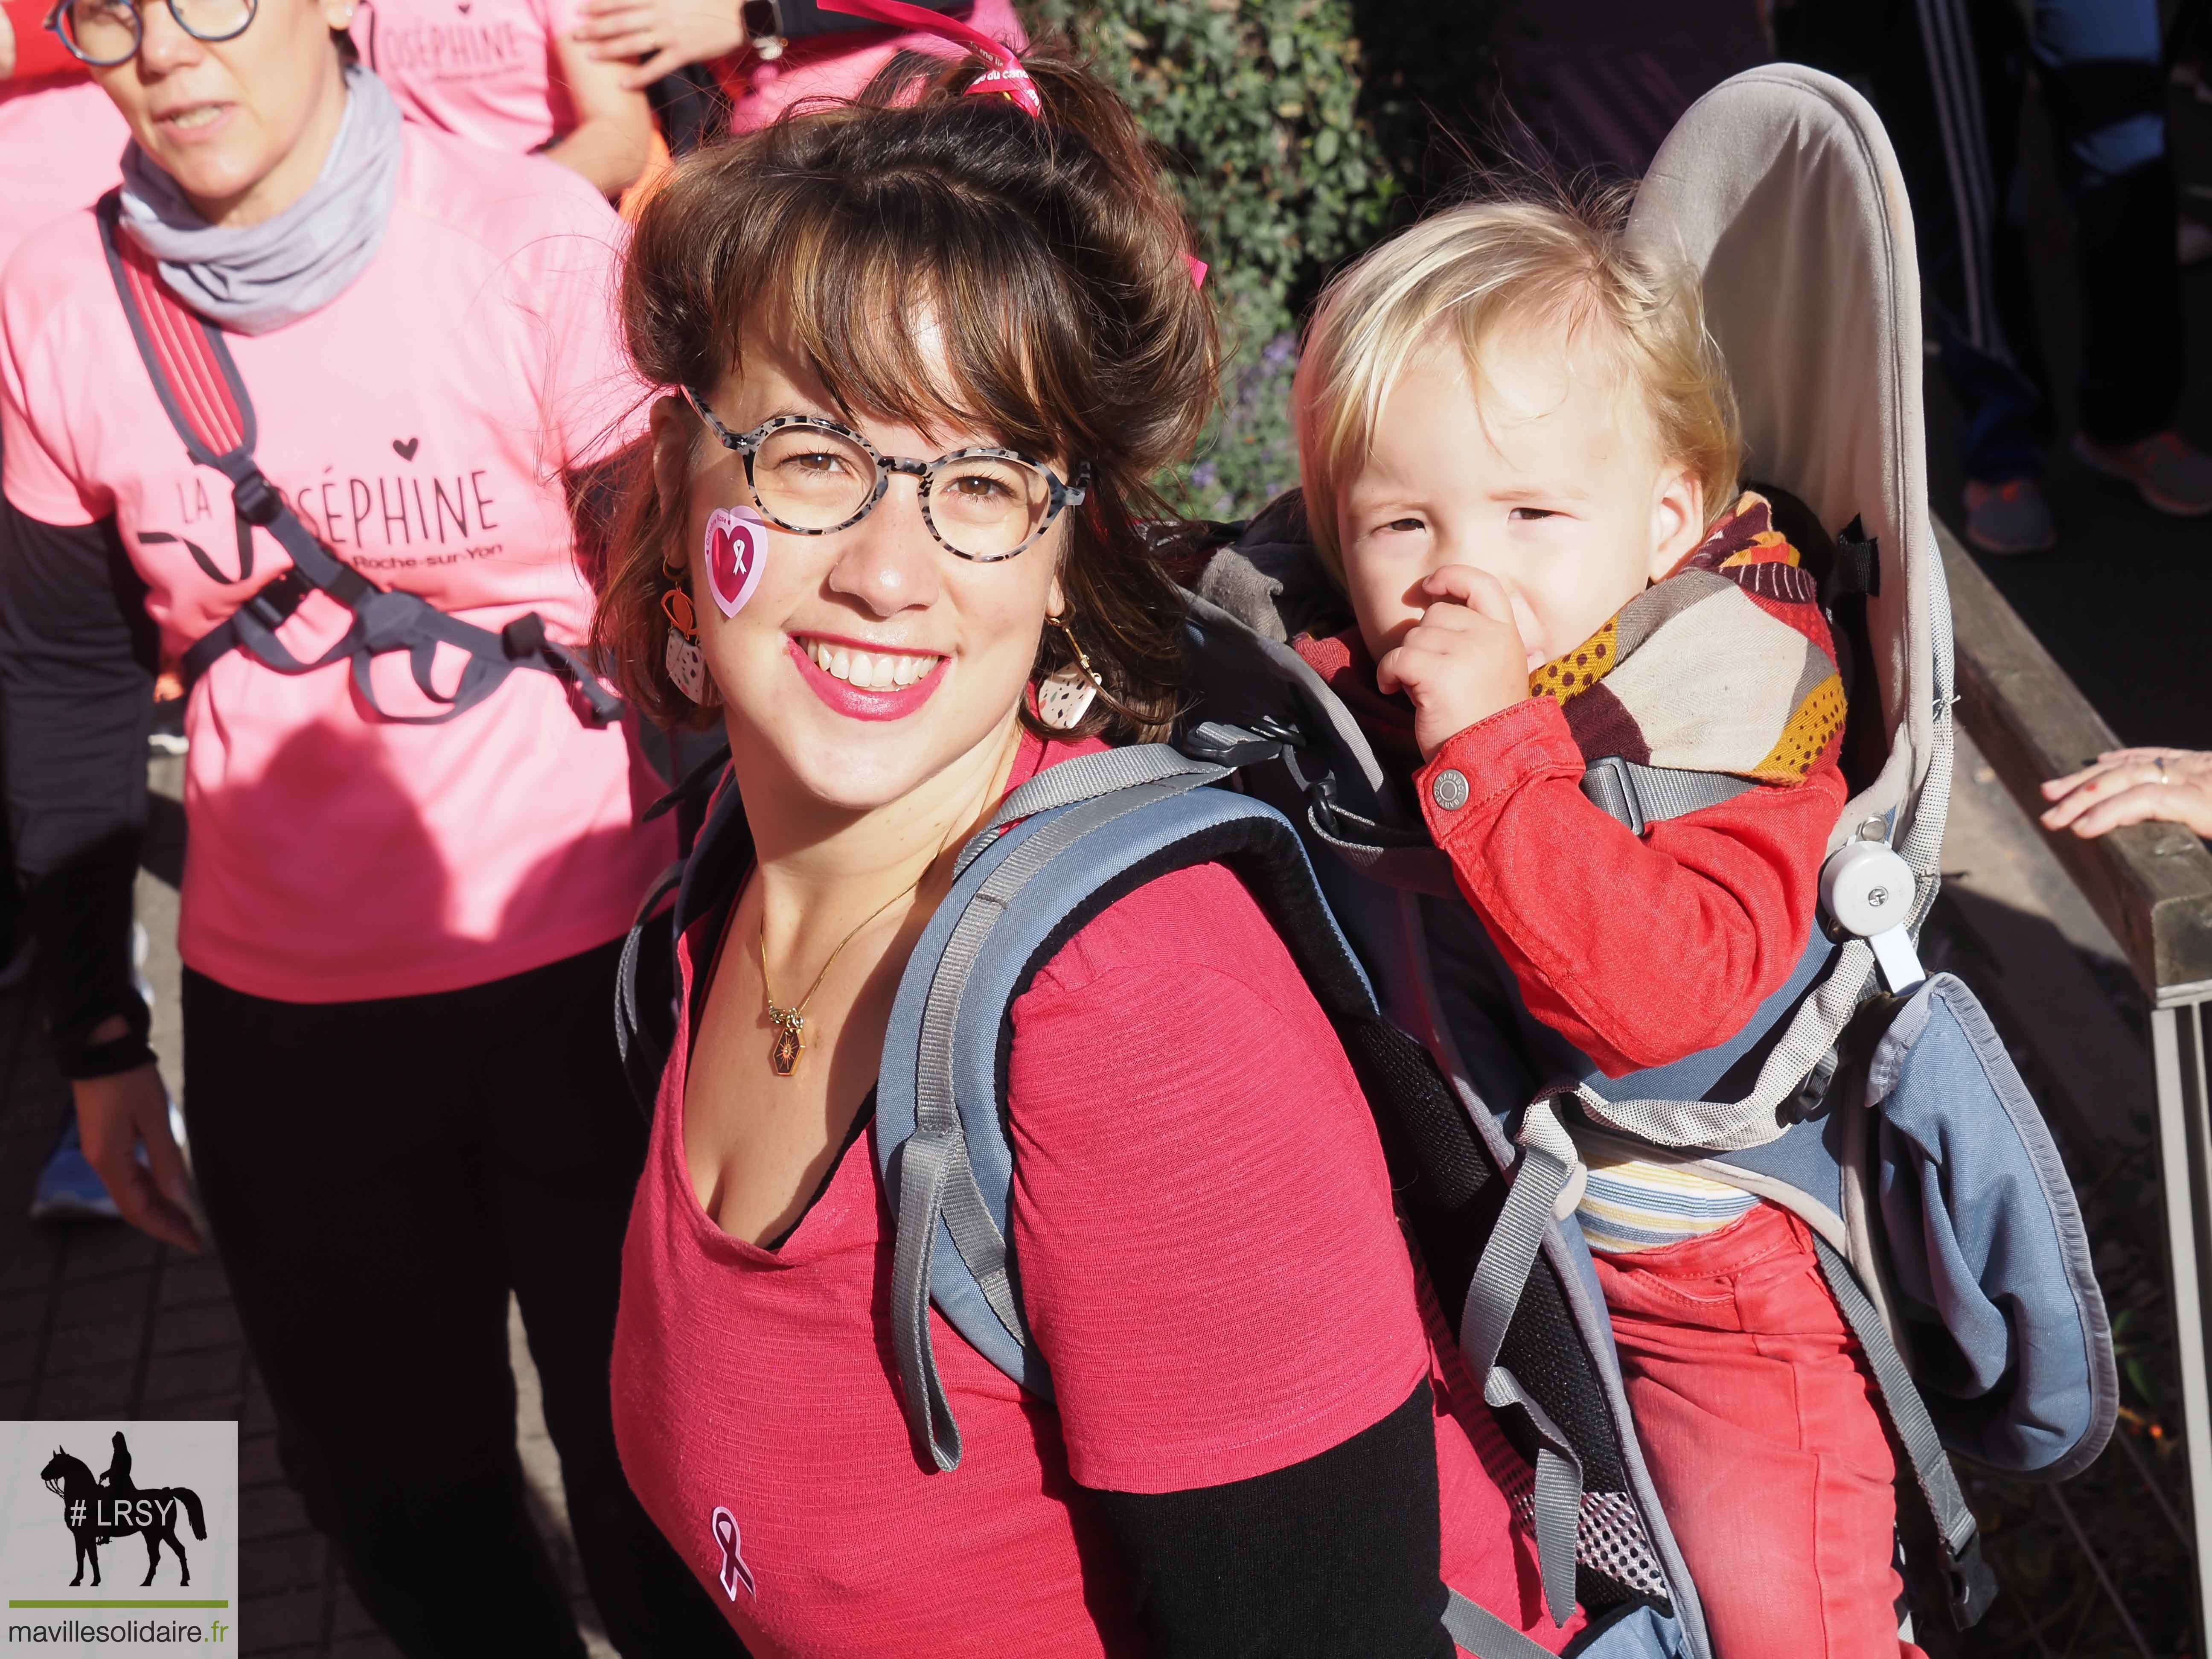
(379, 1176)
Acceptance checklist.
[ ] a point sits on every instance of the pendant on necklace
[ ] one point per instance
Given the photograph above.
(783, 1057)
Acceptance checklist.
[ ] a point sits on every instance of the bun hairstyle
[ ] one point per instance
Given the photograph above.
(1047, 256)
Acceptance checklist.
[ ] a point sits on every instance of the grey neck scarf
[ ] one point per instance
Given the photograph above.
(255, 279)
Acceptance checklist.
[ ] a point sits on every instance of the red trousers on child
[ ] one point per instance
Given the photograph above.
(1762, 1427)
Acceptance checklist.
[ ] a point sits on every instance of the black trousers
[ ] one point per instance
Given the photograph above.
(1947, 77)
(379, 1176)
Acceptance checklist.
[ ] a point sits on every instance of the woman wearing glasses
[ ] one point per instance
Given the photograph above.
(925, 353)
(402, 1102)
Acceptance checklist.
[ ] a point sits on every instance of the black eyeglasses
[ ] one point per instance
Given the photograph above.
(105, 33)
(814, 476)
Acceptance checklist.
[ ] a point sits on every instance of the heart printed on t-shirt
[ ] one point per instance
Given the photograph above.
(404, 448)
(737, 538)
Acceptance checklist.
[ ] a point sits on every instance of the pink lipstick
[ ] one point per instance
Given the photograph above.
(891, 703)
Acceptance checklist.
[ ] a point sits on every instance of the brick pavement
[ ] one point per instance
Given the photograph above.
(98, 1321)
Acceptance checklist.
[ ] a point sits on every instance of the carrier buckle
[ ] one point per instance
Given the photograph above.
(255, 499)
(1611, 788)
(1221, 743)
(275, 600)
(1972, 1585)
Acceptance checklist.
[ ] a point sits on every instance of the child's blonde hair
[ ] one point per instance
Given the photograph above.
(1475, 269)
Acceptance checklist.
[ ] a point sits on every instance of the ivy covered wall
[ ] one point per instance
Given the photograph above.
(1297, 142)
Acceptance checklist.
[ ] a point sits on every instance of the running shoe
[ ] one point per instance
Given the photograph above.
(2168, 472)
(2009, 518)
(68, 1189)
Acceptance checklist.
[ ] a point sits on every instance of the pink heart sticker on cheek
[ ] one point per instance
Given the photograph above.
(737, 540)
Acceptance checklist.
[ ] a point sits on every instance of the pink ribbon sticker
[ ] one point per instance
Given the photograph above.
(737, 540)
(734, 1570)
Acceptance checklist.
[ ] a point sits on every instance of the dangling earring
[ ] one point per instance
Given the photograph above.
(1064, 695)
(686, 663)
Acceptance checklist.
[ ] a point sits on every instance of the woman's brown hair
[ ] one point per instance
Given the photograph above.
(1049, 256)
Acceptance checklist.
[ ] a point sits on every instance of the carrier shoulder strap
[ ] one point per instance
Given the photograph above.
(1084, 834)
(198, 384)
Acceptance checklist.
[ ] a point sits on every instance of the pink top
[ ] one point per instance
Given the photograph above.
(482, 69)
(839, 65)
(418, 424)
(1220, 1291)
(61, 147)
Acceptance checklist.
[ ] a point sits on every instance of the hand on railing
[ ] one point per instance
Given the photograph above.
(2128, 786)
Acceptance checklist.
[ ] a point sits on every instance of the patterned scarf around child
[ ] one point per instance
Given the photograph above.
(1726, 665)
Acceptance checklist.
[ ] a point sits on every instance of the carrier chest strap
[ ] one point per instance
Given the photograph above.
(1639, 796)
(1967, 1577)
(200, 390)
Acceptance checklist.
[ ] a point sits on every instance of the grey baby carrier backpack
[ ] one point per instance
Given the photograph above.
(1781, 181)
(1875, 1102)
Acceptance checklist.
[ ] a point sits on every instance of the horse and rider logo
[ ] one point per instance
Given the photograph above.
(99, 1509)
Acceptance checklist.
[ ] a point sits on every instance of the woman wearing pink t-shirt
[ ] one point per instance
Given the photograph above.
(1253, 1445)
(403, 1101)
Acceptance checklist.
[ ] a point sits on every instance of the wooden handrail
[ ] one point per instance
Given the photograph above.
(2150, 883)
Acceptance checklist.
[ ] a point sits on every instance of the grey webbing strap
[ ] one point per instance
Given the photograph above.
(1084, 778)
(936, 1181)
(1509, 1257)
(1421, 868)
(629, 1017)
(1970, 1581)
(1545, 1165)
(1639, 796)
(1556, 1507)
(1483, 1633)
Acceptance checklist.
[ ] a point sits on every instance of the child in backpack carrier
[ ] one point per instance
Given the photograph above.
(1520, 454)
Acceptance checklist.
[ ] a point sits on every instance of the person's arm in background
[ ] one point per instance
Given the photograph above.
(2129, 786)
(28, 49)
(668, 34)
(76, 674)
(613, 139)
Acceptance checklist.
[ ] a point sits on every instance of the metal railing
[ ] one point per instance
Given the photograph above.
(2151, 885)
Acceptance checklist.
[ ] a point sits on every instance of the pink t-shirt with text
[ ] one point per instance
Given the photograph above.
(1209, 1262)
(481, 70)
(418, 423)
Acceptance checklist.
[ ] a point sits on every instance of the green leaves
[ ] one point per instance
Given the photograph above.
(1258, 99)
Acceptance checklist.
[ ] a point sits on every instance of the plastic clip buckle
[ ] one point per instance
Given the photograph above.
(1611, 788)
(1972, 1585)
(256, 499)
(275, 600)
(1236, 746)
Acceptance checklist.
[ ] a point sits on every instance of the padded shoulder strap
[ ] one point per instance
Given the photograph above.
(940, 1132)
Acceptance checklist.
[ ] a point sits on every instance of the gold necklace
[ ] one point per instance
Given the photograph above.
(790, 1038)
